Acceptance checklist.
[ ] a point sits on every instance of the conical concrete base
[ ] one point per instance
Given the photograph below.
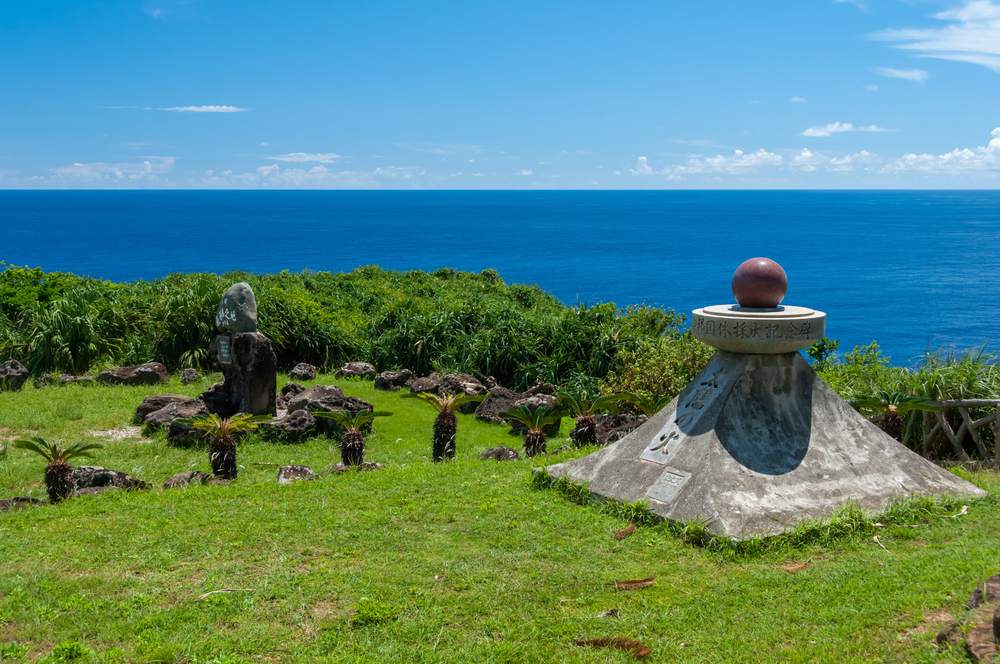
(755, 444)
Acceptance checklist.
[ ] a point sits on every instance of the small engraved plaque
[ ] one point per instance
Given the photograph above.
(225, 353)
(668, 485)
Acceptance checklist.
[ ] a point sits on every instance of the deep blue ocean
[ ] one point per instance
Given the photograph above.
(910, 269)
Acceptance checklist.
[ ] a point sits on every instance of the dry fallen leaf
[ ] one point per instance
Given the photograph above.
(622, 534)
(631, 584)
(965, 510)
(880, 544)
(226, 590)
(621, 643)
(792, 569)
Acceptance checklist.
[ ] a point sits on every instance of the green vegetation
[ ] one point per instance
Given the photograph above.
(58, 474)
(534, 421)
(352, 440)
(222, 433)
(443, 321)
(446, 423)
(463, 561)
(584, 409)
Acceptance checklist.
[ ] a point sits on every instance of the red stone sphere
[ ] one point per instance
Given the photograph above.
(759, 283)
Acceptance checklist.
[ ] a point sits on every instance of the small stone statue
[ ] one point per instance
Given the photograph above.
(247, 359)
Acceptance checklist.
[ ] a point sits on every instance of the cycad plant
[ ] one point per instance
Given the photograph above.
(535, 422)
(892, 407)
(446, 422)
(648, 406)
(222, 443)
(352, 443)
(58, 474)
(583, 409)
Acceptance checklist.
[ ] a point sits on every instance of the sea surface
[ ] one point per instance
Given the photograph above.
(911, 269)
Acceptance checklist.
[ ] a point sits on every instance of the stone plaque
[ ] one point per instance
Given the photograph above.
(225, 351)
(693, 403)
(668, 485)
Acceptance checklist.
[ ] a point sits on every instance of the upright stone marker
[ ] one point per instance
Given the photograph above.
(758, 442)
(248, 361)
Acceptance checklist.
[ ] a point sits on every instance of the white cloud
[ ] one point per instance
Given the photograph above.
(642, 168)
(797, 100)
(915, 75)
(964, 160)
(300, 157)
(149, 169)
(972, 36)
(527, 171)
(451, 148)
(871, 87)
(263, 142)
(738, 162)
(205, 109)
(838, 127)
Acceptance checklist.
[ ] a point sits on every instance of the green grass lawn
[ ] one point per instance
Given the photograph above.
(423, 562)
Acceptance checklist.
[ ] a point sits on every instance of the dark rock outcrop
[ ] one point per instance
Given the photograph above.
(149, 373)
(251, 376)
(287, 392)
(83, 380)
(13, 375)
(94, 490)
(176, 410)
(303, 371)
(45, 380)
(459, 383)
(500, 454)
(189, 376)
(295, 473)
(88, 477)
(361, 369)
(499, 400)
(217, 400)
(186, 478)
(390, 381)
(293, 427)
(155, 402)
(339, 468)
(610, 428)
(430, 384)
(327, 398)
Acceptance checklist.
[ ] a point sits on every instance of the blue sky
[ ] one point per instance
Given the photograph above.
(500, 95)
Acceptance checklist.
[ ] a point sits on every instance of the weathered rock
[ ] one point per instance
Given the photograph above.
(176, 410)
(489, 381)
(186, 478)
(293, 427)
(303, 371)
(390, 381)
(18, 503)
(289, 474)
(180, 433)
(13, 375)
(459, 383)
(328, 398)
(189, 376)
(94, 490)
(430, 384)
(287, 392)
(362, 369)
(149, 373)
(533, 403)
(155, 402)
(87, 477)
(987, 592)
(500, 454)
(45, 380)
(610, 428)
(541, 388)
(251, 377)
(217, 400)
(499, 400)
(238, 310)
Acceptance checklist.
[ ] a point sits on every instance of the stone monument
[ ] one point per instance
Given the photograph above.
(247, 359)
(758, 442)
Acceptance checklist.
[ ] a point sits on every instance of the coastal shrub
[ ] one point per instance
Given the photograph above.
(658, 368)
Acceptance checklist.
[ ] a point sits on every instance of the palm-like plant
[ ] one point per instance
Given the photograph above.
(222, 443)
(648, 406)
(892, 407)
(352, 443)
(58, 474)
(446, 423)
(583, 409)
(535, 422)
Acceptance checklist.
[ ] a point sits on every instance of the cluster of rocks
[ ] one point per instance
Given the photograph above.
(611, 428)
(13, 376)
(979, 628)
